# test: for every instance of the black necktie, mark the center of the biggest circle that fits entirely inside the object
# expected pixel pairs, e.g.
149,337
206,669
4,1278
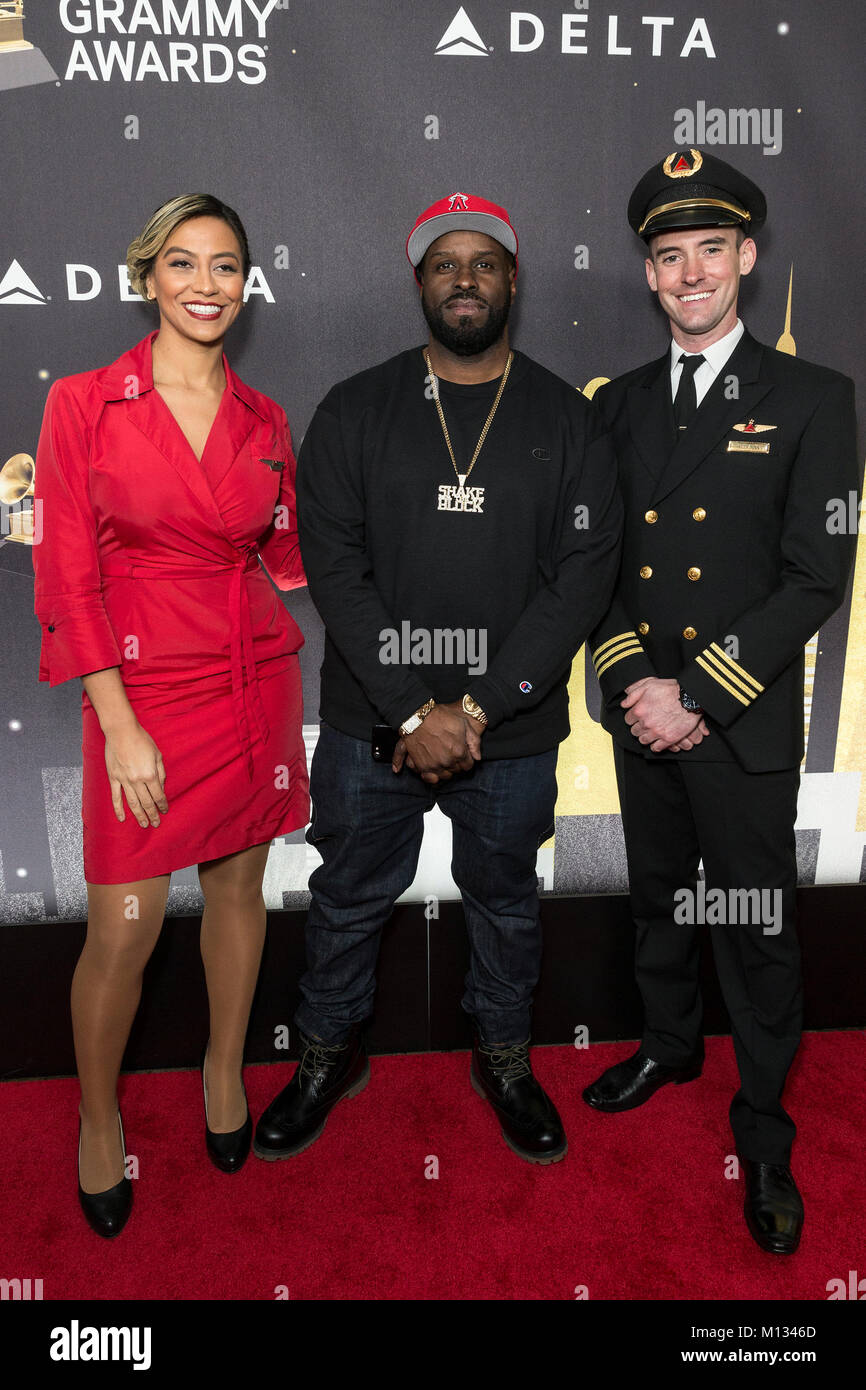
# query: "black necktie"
686,399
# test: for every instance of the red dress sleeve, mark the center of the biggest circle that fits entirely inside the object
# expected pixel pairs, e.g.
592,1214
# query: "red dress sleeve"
278,547
77,637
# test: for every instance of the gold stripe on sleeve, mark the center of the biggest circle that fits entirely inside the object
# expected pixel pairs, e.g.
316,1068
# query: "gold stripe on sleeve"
631,649
717,665
721,681
629,642
611,641
739,669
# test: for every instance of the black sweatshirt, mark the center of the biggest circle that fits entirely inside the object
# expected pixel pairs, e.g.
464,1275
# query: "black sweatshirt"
422,600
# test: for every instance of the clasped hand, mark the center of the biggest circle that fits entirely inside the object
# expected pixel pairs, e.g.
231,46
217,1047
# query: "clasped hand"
657,719
448,741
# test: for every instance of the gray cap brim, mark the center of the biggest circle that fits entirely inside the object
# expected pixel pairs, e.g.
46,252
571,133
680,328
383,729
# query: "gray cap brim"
424,236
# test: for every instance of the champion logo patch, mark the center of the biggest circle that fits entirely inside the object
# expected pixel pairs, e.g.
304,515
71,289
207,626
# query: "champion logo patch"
526,686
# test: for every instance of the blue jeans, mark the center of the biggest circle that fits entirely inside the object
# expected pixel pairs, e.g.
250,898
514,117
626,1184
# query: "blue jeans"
367,824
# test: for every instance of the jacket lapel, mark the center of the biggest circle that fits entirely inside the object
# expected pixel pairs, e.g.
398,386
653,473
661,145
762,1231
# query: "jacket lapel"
651,415
717,413
235,421
130,379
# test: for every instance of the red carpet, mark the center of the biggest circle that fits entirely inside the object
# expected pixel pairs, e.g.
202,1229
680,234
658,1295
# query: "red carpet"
639,1208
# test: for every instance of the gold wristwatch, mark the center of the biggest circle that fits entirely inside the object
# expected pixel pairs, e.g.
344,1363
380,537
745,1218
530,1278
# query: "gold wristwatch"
472,708
417,719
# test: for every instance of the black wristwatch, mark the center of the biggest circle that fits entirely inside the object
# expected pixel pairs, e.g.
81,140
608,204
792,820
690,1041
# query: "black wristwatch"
689,702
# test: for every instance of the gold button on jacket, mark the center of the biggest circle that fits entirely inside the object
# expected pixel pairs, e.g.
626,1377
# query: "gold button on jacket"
694,572
643,629
646,571
689,632
699,513
650,516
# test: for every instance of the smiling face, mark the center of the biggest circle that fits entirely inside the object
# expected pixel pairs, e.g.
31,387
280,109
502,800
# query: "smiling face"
467,285
197,280
696,273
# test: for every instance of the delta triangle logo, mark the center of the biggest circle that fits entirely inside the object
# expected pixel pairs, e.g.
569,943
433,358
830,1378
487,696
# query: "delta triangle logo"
16,287
461,39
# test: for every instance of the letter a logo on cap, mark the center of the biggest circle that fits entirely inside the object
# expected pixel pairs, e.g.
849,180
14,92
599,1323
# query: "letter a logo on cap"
458,198
461,39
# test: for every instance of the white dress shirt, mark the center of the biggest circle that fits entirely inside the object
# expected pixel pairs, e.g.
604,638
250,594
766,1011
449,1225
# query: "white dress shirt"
715,356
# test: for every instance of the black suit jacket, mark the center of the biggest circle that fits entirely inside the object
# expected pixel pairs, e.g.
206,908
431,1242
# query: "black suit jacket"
731,558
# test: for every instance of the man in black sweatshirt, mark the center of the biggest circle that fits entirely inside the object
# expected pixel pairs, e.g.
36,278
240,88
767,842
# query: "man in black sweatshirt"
460,529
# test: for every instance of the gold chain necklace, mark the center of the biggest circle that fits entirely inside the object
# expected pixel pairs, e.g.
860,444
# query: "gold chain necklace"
457,499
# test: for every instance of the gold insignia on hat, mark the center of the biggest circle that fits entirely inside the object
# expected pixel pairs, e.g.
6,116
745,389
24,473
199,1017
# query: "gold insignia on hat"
682,169
750,427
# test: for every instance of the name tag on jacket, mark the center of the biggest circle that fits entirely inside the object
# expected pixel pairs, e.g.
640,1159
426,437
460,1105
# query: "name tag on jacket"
747,446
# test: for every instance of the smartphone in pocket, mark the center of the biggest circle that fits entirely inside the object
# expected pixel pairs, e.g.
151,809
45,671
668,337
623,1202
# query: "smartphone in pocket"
384,740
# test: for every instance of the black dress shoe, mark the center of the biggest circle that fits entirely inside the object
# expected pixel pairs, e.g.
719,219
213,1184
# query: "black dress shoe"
773,1207
325,1074
227,1151
628,1084
107,1212
527,1116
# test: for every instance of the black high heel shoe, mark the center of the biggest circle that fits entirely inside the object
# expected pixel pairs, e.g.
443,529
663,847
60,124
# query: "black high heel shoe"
107,1212
228,1151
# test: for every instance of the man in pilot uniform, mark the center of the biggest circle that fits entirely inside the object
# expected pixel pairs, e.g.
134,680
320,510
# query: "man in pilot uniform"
729,454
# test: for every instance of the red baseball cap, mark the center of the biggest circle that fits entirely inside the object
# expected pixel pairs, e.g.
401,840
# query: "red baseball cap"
460,212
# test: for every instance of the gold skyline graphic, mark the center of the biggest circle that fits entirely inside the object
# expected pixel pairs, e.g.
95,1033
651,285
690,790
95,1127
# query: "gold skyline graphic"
786,343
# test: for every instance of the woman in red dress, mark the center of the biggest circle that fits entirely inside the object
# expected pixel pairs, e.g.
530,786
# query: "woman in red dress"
163,479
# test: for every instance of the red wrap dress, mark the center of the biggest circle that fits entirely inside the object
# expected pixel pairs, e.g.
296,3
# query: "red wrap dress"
149,560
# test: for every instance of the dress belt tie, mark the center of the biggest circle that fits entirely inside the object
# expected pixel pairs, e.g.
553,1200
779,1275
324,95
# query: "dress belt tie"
245,682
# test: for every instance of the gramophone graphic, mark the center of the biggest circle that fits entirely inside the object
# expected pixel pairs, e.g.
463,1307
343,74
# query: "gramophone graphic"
21,65
18,522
